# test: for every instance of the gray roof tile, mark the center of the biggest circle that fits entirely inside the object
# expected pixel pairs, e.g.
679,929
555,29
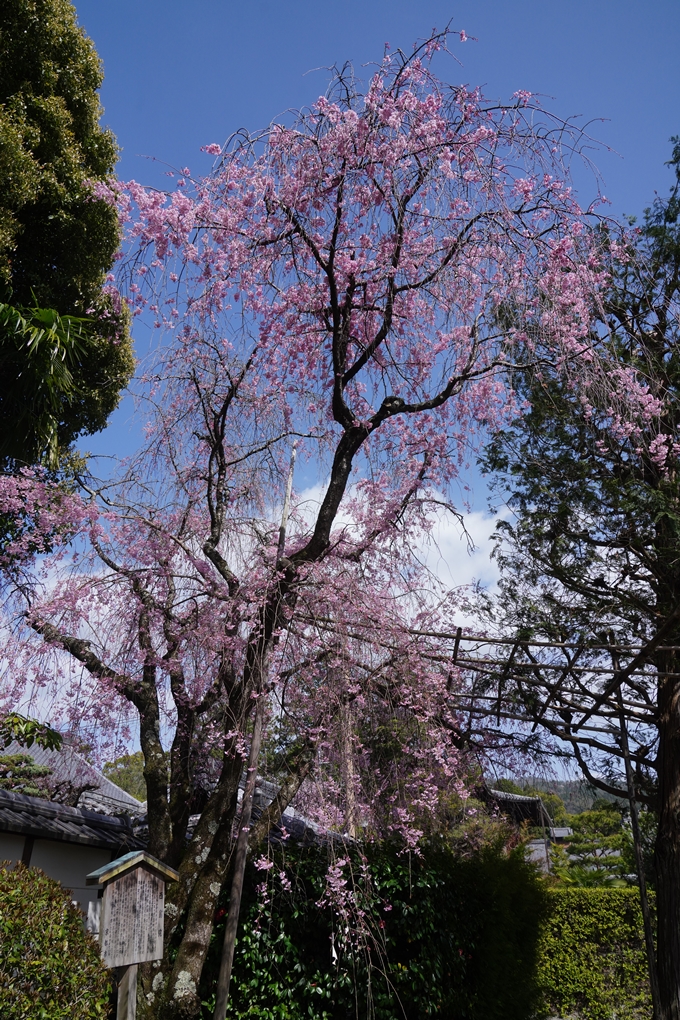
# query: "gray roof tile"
44,819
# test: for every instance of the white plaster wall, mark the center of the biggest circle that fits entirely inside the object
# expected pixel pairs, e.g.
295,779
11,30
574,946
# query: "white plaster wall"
11,846
69,864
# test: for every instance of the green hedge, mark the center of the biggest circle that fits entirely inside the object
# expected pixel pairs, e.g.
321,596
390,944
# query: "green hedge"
439,936
475,938
49,965
592,961
479,937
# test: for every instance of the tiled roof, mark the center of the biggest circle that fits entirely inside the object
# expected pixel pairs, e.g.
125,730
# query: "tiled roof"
125,831
519,806
513,798
69,767
45,819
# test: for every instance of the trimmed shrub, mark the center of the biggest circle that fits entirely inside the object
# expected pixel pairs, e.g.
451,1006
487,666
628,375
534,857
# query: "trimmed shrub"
20,774
435,936
50,967
461,938
592,962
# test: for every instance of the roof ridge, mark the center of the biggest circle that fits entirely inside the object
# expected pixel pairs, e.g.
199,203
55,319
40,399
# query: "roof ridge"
54,808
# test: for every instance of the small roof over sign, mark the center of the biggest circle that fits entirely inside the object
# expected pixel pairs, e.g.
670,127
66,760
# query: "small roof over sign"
126,863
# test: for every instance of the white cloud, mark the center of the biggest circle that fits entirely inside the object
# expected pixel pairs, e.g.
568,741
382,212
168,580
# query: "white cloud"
447,551
458,554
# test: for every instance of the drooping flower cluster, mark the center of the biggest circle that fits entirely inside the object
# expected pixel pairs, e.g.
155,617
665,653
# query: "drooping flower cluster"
37,515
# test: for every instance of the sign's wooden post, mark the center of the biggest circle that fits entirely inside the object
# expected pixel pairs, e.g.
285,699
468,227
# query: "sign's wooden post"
127,994
131,921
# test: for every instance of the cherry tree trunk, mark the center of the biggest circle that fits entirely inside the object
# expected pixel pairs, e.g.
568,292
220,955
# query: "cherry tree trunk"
668,850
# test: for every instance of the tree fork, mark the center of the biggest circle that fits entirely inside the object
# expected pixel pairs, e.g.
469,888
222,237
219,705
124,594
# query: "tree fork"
227,960
220,811
181,997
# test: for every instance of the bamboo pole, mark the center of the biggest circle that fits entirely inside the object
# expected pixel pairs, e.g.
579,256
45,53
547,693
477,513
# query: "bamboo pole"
227,961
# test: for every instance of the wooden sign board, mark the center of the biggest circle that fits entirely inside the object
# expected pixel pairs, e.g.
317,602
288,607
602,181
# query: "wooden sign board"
131,920
131,924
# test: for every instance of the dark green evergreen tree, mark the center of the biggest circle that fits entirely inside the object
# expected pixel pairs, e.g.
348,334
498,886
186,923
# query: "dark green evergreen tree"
65,351
593,548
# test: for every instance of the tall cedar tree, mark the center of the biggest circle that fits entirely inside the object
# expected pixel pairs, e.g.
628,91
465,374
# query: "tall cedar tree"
593,547
65,350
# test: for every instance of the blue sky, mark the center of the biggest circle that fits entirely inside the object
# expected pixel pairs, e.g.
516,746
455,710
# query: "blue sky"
180,75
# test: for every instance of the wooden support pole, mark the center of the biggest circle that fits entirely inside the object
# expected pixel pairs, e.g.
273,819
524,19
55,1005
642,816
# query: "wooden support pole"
227,960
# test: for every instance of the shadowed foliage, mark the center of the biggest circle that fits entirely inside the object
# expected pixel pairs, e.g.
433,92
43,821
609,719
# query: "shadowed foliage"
49,966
